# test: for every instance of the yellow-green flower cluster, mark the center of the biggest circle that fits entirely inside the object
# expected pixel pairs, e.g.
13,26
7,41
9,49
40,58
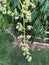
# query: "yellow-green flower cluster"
28,37
3,6
12,13
29,27
25,49
27,2
20,37
28,16
19,27
25,10
33,5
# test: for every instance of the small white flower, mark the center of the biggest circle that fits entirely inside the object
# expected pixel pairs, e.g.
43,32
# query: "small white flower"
24,54
4,12
20,37
29,27
9,12
27,2
33,5
29,59
28,36
16,17
27,56
17,27
12,14
28,15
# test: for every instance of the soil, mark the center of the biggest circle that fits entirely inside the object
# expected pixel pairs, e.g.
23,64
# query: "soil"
17,42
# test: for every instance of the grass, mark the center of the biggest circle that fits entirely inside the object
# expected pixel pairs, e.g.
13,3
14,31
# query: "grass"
40,57
13,56
5,47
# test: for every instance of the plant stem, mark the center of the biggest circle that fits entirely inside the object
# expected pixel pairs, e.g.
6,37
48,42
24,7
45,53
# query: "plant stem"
24,29
20,2
23,24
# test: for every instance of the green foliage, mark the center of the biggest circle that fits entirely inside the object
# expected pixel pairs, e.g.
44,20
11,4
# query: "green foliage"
3,23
